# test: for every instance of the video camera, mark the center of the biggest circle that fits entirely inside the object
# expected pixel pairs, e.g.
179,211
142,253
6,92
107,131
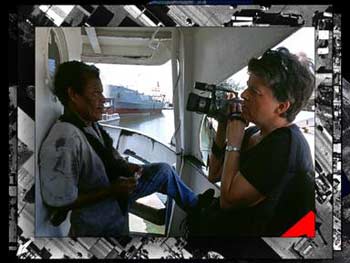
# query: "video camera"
215,106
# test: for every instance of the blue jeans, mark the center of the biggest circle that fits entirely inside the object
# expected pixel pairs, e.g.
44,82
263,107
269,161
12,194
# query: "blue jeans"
161,177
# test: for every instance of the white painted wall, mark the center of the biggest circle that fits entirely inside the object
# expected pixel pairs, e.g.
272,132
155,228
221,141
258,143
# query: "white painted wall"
228,50
47,110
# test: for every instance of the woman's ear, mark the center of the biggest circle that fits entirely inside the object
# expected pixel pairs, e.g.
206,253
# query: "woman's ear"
283,107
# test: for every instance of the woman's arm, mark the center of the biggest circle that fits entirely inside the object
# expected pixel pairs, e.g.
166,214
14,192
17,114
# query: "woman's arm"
236,191
216,162
230,167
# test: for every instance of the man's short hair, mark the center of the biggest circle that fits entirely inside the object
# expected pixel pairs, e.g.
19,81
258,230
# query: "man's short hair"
290,78
72,74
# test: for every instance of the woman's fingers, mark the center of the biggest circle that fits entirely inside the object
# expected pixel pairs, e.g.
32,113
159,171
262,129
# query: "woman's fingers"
238,107
235,107
231,95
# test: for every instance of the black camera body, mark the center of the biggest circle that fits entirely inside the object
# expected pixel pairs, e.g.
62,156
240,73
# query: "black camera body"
215,106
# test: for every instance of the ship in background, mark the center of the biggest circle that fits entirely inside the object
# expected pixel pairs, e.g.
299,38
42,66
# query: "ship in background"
125,101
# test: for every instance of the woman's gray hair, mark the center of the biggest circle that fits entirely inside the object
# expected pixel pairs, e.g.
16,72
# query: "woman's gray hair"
290,77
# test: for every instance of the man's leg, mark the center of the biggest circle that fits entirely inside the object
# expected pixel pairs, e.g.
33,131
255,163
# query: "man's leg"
161,177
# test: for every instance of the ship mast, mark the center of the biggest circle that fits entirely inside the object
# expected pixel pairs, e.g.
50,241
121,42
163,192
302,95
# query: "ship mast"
156,93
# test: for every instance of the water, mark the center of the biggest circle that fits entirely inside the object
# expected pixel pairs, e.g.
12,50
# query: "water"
159,126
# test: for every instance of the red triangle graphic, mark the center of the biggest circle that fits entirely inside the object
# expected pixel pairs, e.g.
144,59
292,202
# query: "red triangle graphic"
304,227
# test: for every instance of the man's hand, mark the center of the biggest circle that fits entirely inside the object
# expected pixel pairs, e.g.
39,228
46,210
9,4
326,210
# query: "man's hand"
123,187
135,168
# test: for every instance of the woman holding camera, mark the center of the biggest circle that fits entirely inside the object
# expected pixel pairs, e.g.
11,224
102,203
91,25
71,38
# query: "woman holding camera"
257,165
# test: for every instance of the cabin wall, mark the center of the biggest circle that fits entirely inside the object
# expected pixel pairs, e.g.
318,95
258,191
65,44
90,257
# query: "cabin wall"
225,49
74,42
186,64
48,109
189,122
176,68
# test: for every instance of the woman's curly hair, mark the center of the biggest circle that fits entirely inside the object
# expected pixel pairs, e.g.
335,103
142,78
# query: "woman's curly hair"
290,77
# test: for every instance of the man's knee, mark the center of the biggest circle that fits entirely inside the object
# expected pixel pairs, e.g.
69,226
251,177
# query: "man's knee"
165,166
158,169
165,170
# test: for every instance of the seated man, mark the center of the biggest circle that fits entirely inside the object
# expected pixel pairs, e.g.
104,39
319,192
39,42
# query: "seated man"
81,171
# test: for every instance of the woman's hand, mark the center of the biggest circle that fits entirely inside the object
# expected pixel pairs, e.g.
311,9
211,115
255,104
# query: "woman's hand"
235,125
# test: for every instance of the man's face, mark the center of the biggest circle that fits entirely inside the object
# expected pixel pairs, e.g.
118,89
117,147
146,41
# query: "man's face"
89,104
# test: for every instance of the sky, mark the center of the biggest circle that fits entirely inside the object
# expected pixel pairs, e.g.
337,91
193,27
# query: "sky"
301,41
145,78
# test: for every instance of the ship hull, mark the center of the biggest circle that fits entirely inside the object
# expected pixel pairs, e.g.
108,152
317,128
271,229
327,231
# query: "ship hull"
125,101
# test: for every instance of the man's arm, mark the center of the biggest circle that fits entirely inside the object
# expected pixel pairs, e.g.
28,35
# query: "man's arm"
60,162
120,189
59,213
133,167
